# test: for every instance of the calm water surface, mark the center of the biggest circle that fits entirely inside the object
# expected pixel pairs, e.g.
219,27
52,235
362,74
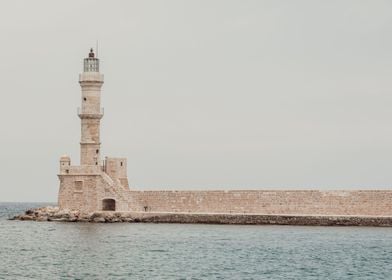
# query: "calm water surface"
33,250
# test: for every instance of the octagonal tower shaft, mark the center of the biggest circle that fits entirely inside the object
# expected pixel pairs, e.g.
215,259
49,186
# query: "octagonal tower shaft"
90,111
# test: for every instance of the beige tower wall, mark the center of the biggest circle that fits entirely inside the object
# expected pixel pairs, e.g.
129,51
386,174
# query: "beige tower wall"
90,146
89,154
90,130
90,114
78,192
116,167
91,95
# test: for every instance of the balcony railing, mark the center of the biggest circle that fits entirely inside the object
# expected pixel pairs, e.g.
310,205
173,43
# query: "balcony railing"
86,111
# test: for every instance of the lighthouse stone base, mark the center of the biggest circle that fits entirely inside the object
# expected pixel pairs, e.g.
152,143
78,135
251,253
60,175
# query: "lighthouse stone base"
90,188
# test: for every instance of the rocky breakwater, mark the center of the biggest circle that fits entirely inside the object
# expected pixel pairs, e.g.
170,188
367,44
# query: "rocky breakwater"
55,214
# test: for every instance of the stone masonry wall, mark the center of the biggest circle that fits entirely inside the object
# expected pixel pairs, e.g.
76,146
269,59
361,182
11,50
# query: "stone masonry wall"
85,193
298,202
79,192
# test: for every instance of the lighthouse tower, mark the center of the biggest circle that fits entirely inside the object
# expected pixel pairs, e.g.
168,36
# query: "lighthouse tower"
90,111
94,185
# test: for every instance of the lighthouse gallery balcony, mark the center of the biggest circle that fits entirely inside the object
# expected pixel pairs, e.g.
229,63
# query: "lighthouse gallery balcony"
89,113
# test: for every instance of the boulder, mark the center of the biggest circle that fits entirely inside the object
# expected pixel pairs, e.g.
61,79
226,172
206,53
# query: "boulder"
26,218
98,220
42,219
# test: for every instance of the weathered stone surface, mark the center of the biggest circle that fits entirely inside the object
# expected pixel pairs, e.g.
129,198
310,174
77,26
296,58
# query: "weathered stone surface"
50,214
274,202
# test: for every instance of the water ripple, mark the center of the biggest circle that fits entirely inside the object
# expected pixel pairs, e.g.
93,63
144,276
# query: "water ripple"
30,250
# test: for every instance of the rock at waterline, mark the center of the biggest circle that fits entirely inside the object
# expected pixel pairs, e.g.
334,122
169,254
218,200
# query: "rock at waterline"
55,214
50,214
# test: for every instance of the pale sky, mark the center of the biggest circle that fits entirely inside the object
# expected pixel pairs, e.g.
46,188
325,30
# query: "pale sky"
201,94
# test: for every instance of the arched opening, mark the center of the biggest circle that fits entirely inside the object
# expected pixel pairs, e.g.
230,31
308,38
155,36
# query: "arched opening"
108,205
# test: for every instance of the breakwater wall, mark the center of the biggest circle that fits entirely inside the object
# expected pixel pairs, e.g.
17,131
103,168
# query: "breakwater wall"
266,202
54,214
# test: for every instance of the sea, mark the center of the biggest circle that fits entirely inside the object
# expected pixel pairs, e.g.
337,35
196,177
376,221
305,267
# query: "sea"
55,250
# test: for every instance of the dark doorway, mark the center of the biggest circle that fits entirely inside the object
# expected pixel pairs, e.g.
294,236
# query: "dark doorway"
108,205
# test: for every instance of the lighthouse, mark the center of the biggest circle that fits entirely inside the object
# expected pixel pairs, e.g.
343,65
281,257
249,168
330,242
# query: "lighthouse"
95,184
90,112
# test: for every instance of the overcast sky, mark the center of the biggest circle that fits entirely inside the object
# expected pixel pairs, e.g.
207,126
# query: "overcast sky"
201,94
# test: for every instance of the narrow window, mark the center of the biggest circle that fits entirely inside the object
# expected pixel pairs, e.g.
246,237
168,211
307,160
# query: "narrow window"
85,99
67,171
96,163
97,151
121,163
